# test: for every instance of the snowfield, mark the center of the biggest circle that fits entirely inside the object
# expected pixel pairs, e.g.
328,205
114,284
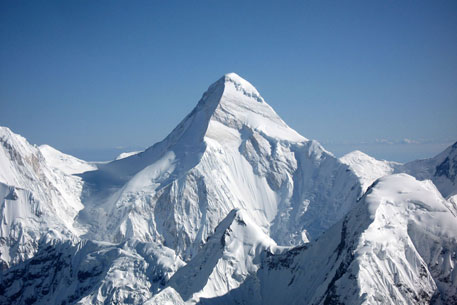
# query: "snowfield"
232,207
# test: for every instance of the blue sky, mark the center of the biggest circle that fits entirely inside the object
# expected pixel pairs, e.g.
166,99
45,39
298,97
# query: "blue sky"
94,78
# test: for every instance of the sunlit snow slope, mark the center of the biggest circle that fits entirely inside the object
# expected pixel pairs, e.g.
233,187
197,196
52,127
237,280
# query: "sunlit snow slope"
441,169
367,168
397,246
231,151
38,200
232,207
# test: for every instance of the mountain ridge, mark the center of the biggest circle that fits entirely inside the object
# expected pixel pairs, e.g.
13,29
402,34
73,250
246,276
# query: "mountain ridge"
232,206
264,167
390,249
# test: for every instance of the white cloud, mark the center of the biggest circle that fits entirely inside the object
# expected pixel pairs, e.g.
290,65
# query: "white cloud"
409,141
384,141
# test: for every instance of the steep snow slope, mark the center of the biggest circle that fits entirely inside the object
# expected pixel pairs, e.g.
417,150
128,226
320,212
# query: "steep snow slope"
37,200
231,254
231,151
87,272
43,259
63,162
441,169
397,246
230,183
367,168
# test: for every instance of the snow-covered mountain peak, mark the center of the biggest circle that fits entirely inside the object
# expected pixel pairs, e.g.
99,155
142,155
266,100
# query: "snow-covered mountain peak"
441,169
14,143
232,253
243,86
68,164
447,166
37,199
231,151
229,108
357,154
17,157
230,111
367,168
406,192
4,131
240,106
397,246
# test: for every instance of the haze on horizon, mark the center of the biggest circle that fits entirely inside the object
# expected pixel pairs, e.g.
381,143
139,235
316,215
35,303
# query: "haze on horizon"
95,79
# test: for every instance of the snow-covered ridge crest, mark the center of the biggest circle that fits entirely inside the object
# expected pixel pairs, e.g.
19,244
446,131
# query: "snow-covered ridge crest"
397,246
233,253
229,107
367,168
243,86
222,191
441,169
242,106
63,162
231,151
39,198
235,103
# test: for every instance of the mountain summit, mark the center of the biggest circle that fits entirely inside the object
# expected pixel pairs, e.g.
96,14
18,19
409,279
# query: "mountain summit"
234,102
231,151
231,106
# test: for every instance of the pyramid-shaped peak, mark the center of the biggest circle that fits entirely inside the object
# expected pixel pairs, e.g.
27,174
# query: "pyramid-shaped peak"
236,103
240,83
233,84
230,109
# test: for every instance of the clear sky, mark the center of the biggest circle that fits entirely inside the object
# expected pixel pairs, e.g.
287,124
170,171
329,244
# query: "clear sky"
94,78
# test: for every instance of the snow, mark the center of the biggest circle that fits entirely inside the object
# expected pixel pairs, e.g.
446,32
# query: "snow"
127,154
84,272
418,230
367,168
232,253
168,296
63,162
441,169
46,199
241,104
397,246
231,151
233,206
